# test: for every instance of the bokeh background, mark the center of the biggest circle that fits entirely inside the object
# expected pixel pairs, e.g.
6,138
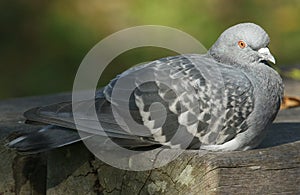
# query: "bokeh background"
43,42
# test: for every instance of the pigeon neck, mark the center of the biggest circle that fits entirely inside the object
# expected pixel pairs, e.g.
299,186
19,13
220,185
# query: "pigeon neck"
227,58
221,58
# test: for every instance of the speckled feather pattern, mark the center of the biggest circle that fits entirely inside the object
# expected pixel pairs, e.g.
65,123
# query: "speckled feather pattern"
180,72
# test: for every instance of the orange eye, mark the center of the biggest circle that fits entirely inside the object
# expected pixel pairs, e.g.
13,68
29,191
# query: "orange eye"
242,44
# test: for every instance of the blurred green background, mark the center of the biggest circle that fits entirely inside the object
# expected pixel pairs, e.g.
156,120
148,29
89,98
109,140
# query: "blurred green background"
43,42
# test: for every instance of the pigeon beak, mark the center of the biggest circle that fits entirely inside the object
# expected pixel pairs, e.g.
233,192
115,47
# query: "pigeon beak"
266,55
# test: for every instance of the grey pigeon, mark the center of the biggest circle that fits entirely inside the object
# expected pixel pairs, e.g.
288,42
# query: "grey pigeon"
220,101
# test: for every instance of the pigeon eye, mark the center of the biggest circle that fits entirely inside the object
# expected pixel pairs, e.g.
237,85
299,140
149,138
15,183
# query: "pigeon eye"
242,44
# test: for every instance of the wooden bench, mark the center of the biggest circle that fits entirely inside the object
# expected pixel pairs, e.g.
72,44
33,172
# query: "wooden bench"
274,168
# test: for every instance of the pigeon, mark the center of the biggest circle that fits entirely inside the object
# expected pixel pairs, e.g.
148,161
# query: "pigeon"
223,100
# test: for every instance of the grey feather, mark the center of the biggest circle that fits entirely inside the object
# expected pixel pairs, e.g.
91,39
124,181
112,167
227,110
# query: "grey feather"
222,100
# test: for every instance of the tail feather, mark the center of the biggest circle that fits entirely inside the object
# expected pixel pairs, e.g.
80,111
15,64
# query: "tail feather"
44,139
53,136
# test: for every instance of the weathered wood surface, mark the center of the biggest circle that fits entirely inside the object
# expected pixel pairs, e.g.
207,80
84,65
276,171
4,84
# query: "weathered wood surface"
272,169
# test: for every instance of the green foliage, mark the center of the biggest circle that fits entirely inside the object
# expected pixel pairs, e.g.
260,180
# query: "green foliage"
43,42
293,74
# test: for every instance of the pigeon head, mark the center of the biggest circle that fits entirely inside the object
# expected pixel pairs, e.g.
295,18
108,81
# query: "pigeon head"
242,44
